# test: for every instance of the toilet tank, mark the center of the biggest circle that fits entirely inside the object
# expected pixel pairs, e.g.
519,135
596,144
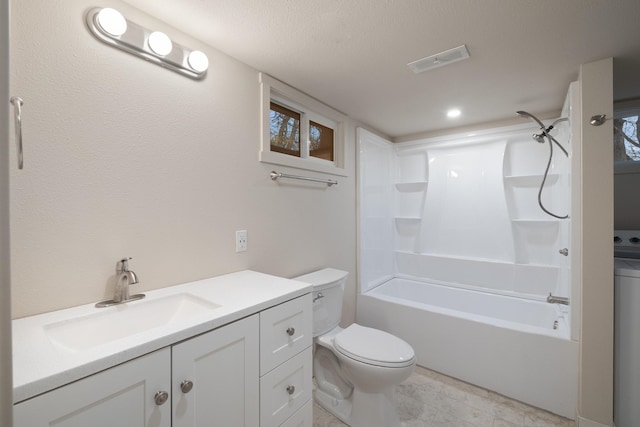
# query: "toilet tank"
328,288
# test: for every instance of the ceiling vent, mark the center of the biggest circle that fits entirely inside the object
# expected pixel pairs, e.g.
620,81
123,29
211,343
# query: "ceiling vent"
439,59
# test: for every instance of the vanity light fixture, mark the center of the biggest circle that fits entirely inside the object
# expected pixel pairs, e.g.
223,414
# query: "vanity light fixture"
109,26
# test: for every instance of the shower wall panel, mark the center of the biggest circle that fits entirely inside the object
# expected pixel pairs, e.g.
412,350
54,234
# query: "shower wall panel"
465,214
376,235
463,211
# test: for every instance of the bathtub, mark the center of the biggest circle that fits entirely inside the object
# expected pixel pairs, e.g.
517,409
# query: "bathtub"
516,347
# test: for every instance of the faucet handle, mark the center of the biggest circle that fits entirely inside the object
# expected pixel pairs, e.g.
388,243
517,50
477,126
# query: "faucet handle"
123,265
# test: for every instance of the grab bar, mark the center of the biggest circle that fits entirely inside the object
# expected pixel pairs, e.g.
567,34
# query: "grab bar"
275,175
17,103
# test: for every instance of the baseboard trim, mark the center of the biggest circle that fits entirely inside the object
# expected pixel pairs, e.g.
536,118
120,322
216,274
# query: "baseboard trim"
583,422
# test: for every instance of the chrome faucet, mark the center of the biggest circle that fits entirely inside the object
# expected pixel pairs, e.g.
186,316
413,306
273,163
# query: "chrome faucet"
552,299
124,279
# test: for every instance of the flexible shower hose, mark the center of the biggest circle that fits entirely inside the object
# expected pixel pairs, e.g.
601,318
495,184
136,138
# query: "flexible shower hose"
551,140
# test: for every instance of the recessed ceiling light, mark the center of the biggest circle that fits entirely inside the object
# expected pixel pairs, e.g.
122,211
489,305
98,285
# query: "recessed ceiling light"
453,113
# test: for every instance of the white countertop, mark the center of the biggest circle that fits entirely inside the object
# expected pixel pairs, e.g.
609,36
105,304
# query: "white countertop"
39,364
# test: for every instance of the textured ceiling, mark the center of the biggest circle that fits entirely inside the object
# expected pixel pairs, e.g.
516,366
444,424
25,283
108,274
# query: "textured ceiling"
352,54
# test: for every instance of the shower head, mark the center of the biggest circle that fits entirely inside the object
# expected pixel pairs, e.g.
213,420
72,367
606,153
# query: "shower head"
539,137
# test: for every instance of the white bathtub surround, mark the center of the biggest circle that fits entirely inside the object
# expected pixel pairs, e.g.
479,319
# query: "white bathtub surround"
461,262
429,398
464,210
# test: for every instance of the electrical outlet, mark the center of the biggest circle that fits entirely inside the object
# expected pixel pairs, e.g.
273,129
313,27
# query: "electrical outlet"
241,240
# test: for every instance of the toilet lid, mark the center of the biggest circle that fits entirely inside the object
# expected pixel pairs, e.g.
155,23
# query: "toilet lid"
374,347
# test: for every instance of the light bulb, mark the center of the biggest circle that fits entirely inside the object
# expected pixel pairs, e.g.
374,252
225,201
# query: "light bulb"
160,43
198,61
112,21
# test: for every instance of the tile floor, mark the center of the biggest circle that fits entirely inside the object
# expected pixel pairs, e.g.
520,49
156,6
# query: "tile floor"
431,399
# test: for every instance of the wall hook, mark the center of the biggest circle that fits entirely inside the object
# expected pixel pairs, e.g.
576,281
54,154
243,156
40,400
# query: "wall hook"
598,119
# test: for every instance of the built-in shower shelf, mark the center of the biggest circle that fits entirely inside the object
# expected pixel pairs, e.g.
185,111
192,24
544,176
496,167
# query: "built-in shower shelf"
535,221
531,180
408,218
538,265
411,186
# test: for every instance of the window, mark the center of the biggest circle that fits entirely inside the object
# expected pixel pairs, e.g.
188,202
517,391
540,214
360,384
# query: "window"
320,141
299,131
626,147
625,139
284,129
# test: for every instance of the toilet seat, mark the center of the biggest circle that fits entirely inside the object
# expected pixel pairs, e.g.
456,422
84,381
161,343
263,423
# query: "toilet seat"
374,347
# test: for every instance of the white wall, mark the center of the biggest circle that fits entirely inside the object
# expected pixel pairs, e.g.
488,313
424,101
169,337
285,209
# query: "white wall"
6,389
595,402
125,158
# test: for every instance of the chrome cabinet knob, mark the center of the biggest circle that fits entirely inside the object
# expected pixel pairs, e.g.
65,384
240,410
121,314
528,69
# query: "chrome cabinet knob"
291,389
186,386
291,331
161,397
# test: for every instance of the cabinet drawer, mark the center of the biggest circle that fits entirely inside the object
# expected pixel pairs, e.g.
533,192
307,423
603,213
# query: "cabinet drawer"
285,330
302,418
284,390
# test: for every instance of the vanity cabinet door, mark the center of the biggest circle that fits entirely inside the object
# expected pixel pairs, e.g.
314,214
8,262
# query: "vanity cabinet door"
122,396
216,377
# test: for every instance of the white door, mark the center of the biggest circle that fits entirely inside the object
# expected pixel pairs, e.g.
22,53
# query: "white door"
215,377
122,396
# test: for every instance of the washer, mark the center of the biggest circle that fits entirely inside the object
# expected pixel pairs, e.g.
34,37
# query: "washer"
627,334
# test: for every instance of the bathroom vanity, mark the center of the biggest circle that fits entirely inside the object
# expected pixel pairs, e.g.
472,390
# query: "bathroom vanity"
234,350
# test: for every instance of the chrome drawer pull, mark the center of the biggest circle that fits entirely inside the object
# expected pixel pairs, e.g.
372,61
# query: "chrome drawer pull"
186,386
291,331
291,389
161,397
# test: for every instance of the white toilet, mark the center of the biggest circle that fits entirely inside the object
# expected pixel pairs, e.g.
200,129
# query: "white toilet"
355,368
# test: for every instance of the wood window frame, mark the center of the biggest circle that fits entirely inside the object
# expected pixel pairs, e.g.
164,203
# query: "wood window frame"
311,110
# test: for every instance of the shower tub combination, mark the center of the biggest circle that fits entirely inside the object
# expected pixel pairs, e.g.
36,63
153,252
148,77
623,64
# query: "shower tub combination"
459,250
501,343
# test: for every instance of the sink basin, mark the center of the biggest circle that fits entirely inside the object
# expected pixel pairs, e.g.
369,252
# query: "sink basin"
124,320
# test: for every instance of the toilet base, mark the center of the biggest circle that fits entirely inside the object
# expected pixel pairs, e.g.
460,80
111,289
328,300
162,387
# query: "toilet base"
361,409
340,408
